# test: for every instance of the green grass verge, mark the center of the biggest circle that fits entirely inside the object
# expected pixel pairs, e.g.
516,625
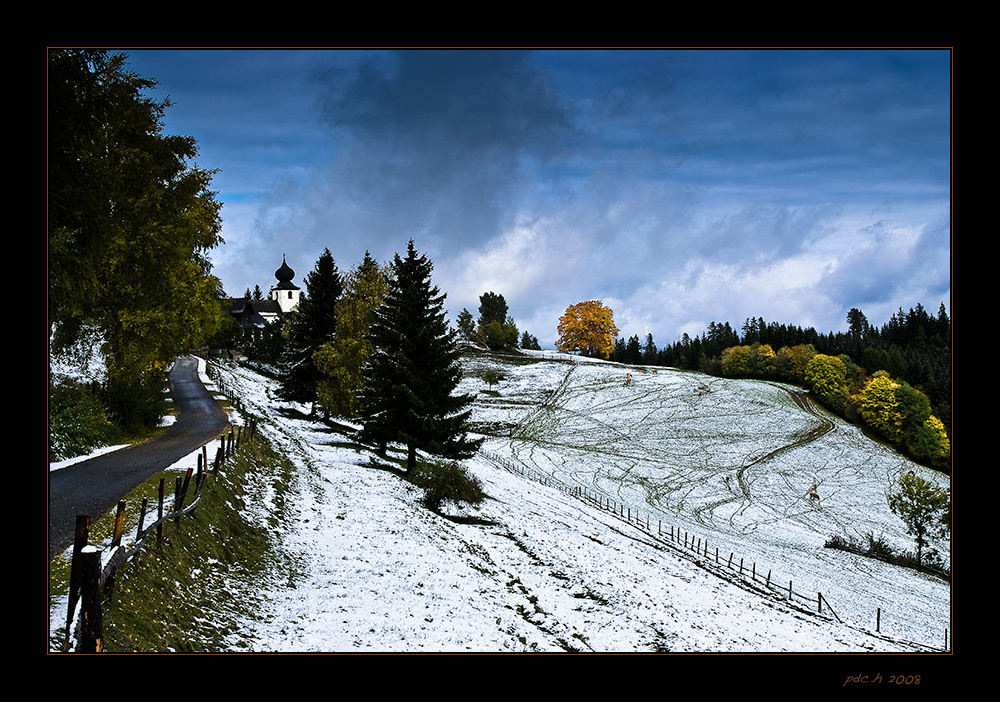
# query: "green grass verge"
190,591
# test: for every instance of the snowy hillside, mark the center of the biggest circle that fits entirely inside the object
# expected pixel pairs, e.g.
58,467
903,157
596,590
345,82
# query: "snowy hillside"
731,462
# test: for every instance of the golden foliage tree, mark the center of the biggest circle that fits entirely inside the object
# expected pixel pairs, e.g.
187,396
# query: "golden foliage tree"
878,406
588,328
342,360
827,377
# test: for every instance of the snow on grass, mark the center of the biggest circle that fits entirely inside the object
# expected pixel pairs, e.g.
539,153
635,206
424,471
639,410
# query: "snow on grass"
542,570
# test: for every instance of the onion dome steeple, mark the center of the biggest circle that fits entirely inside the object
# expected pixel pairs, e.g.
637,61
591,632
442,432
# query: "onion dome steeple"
285,293
284,276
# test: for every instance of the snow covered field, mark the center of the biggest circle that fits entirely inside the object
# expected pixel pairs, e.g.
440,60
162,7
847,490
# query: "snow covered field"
731,462
551,572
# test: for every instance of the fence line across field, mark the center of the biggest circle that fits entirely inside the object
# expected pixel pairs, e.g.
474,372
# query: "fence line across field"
686,544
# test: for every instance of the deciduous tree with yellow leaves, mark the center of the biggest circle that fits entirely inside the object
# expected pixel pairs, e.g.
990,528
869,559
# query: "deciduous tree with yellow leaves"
587,328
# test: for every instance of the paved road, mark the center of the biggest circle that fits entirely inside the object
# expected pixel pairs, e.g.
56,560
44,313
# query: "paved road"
94,487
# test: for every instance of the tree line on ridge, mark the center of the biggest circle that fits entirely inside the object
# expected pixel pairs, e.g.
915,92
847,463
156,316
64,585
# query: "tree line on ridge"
894,379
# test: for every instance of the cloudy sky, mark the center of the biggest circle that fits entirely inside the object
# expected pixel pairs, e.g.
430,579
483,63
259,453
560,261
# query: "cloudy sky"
678,187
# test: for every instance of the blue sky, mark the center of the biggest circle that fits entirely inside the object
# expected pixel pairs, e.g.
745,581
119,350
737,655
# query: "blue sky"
678,187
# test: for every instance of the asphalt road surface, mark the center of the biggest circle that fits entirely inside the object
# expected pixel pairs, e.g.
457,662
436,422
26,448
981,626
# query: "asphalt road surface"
93,487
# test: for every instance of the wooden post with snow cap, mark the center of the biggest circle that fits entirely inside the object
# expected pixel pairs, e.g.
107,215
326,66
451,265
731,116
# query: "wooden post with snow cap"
80,539
91,626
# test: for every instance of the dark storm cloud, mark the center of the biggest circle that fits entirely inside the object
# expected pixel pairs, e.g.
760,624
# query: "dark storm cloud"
442,140
680,187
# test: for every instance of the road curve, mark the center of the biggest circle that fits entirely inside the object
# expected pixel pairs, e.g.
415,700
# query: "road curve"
93,487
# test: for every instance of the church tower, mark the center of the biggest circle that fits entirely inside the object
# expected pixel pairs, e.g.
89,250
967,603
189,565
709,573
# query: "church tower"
285,293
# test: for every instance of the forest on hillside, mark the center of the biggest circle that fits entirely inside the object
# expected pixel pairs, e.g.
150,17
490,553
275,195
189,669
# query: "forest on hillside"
895,378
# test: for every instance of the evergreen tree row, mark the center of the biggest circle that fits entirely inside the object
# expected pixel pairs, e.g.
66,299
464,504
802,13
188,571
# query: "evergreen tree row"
913,346
495,328
374,345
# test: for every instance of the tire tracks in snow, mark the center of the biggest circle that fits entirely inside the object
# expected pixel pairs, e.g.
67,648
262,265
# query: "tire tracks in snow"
824,427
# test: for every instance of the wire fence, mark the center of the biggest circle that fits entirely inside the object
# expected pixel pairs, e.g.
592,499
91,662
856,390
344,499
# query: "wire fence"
712,557
696,548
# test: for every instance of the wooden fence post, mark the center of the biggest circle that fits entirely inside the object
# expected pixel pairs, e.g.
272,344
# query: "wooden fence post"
142,518
91,633
159,513
116,540
80,539
116,537
177,500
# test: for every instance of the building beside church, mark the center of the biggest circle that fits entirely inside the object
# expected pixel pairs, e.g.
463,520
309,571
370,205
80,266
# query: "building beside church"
254,315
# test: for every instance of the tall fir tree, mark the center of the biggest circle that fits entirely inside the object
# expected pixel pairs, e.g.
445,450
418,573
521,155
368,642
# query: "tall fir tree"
410,380
313,324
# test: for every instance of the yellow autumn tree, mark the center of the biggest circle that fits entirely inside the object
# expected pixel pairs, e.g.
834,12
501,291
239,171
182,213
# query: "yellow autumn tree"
587,328
737,361
827,377
878,406
341,360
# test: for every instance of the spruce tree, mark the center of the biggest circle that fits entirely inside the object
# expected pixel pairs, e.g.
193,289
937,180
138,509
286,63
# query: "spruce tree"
314,323
496,328
408,395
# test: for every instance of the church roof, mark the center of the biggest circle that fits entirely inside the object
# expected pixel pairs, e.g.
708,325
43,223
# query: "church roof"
284,276
250,313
